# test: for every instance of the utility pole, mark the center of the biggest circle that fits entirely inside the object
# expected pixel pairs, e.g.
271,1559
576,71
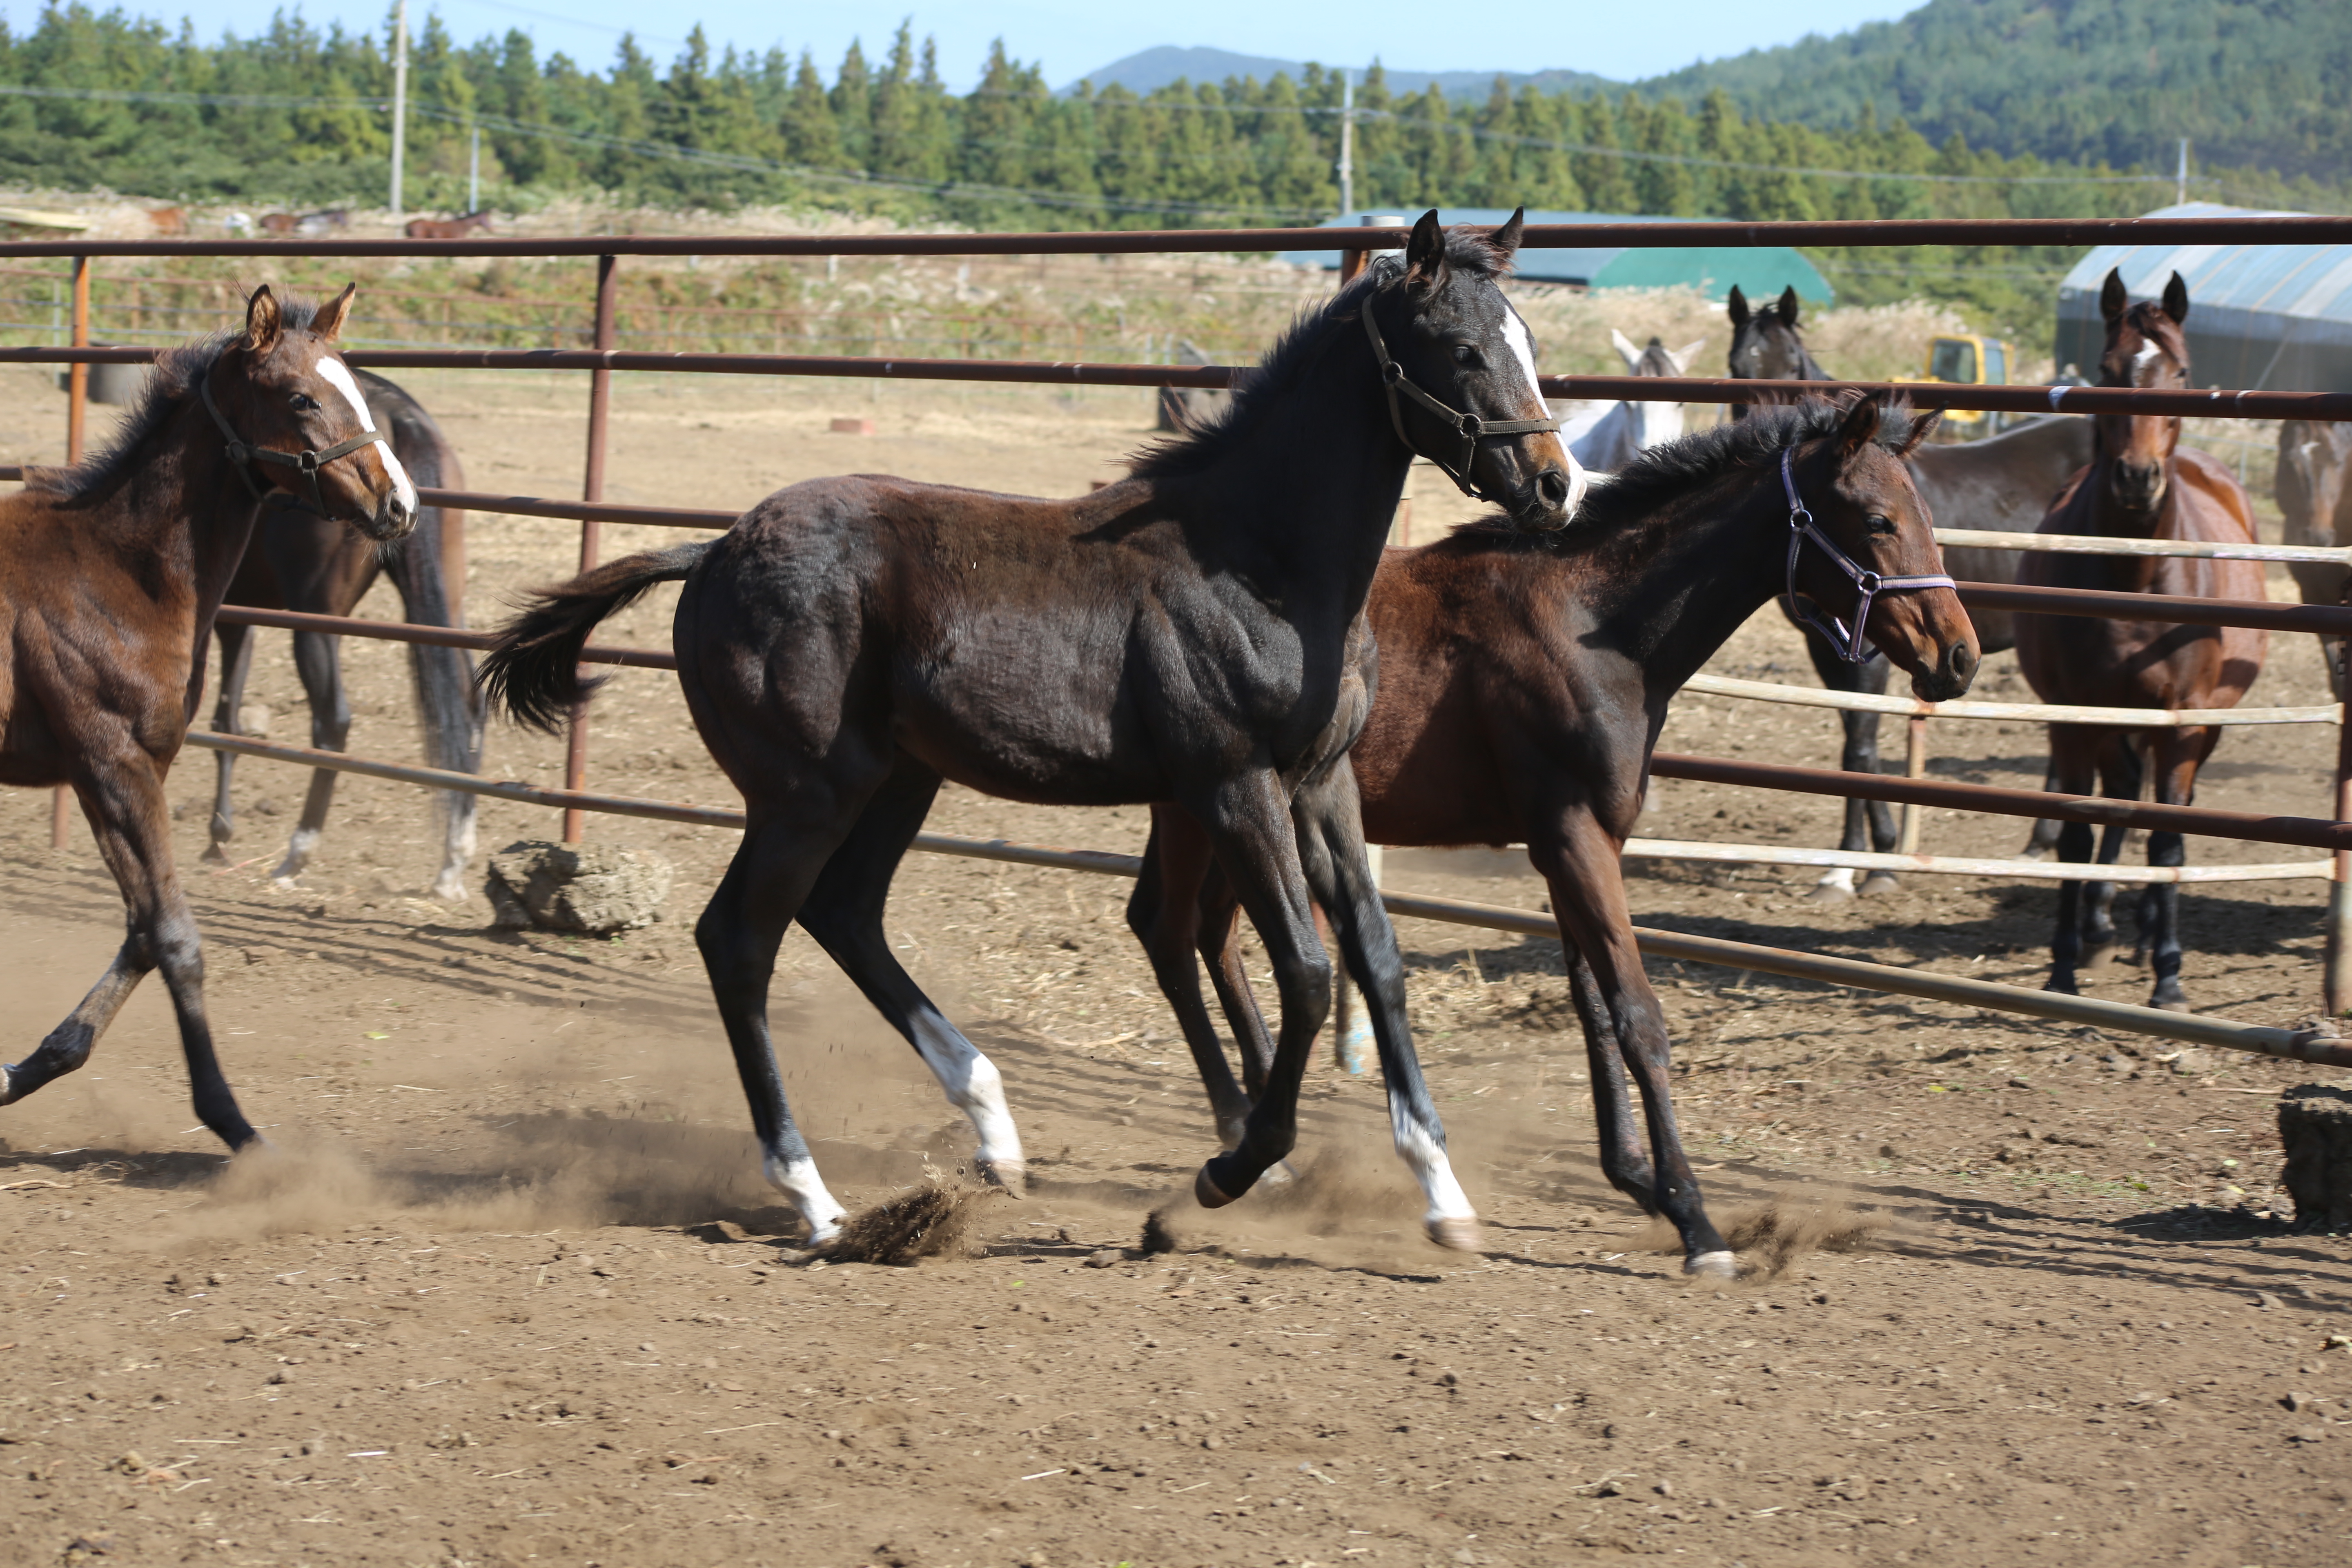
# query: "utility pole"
1347,142
399,96
474,174
2180,191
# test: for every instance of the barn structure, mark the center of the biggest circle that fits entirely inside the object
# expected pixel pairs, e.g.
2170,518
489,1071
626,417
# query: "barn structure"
1760,271
2261,318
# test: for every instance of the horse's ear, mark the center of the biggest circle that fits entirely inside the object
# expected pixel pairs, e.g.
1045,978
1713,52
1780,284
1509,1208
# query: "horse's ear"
1687,355
2113,297
1738,305
1506,238
261,321
2176,300
1923,422
1789,306
1859,428
328,324
1627,352
1424,253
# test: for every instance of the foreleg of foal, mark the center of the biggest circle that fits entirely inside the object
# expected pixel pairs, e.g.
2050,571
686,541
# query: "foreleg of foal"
317,659
2119,779
2177,754
1164,914
122,795
2072,754
1338,874
1869,824
1249,825
1624,1153
843,913
1587,892
236,663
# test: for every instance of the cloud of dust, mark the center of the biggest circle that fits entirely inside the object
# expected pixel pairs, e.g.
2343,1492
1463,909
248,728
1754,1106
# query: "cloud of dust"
1770,1237
1349,1204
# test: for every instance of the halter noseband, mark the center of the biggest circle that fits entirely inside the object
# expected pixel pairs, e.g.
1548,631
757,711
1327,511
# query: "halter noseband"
241,454
1848,642
1469,426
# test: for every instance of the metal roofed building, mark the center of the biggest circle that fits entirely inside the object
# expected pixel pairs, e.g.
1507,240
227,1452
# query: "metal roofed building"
1760,271
2266,318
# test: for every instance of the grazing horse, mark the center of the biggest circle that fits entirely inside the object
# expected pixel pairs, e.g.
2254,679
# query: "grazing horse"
2314,460
109,575
301,560
2142,484
448,228
1183,635
2002,483
1623,431
1521,689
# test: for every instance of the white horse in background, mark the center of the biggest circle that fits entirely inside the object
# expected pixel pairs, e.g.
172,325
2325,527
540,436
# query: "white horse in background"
1605,437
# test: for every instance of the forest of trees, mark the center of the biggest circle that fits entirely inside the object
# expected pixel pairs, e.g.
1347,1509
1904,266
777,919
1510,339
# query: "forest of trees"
298,115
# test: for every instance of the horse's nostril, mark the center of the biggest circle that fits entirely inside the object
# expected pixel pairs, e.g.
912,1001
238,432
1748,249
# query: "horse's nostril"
1962,659
1553,486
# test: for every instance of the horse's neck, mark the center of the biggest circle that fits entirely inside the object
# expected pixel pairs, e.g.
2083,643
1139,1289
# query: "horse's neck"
179,502
1698,569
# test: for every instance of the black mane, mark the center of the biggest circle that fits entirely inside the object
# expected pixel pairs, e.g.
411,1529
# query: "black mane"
1287,362
167,387
1675,469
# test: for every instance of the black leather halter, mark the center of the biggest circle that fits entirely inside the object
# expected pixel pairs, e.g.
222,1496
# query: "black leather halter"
1469,426
1848,641
242,454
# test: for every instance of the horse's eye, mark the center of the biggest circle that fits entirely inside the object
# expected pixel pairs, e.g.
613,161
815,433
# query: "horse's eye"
1879,524
1465,353
304,403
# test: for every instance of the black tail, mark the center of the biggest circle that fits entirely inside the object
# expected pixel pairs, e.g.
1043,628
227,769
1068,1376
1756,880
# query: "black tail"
534,671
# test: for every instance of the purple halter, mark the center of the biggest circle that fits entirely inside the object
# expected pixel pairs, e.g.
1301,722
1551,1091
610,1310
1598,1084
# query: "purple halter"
1848,642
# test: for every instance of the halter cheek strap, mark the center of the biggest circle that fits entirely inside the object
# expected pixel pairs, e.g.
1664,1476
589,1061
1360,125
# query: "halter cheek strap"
242,454
1849,641
1469,426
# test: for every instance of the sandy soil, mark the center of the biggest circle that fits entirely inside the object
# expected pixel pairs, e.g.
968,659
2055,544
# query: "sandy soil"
505,1288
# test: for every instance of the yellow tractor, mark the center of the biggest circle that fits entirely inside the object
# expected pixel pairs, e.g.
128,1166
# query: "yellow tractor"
1964,359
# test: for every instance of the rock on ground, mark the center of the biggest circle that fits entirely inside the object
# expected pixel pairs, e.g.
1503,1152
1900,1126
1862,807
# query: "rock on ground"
576,887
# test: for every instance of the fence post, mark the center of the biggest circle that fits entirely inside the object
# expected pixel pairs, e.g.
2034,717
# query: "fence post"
591,488
2338,978
77,417
1914,766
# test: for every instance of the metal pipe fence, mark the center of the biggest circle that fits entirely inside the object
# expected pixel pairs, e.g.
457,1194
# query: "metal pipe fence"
1355,243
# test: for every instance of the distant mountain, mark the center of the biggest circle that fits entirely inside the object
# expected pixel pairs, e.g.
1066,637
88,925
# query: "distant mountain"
1155,68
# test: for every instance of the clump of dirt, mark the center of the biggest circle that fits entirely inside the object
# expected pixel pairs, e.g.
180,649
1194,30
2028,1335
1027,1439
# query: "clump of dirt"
1157,1237
934,1221
1770,1237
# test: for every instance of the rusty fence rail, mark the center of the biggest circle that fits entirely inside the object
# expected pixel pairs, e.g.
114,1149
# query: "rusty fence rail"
602,359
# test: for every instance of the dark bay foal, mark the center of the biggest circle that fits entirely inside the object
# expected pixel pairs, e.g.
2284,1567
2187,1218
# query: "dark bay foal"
109,575
2142,484
1184,634
1521,686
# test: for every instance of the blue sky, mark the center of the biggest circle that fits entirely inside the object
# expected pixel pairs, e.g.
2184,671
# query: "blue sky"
1072,36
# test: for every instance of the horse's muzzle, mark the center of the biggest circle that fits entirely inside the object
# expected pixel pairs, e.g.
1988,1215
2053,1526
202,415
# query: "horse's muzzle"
1547,502
394,517
2138,486
1955,672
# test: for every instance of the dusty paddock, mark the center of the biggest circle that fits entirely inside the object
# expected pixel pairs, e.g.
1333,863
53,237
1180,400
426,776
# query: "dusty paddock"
2019,1303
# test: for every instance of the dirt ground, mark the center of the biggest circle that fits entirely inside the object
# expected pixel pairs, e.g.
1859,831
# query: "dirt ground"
2016,1294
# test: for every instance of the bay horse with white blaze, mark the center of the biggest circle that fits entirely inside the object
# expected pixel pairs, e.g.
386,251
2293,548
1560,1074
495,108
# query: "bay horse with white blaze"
1183,635
301,560
2142,484
1522,683
109,575
2003,484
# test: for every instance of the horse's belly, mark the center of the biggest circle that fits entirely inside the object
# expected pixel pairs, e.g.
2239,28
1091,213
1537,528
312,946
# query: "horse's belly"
1051,735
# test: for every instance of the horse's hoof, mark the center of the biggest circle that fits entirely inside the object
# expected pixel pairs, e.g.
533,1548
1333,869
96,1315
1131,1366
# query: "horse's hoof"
2100,959
1831,893
1456,1233
2062,987
1878,882
1278,1174
1013,1176
2175,1003
1712,1266
1207,1193
449,890
8,1088
213,854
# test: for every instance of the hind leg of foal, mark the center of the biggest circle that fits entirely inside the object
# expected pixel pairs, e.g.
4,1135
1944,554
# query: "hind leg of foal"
123,798
1164,914
1624,1155
1248,821
1580,863
236,663
1869,824
2119,778
1340,874
1220,917
844,912
2072,758
780,856
317,659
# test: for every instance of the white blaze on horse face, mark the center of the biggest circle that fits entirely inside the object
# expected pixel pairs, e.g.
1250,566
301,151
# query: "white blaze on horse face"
2145,360
338,374
1523,348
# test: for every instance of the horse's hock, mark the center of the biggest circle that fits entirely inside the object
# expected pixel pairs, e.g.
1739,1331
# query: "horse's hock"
576,887
2315,1129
